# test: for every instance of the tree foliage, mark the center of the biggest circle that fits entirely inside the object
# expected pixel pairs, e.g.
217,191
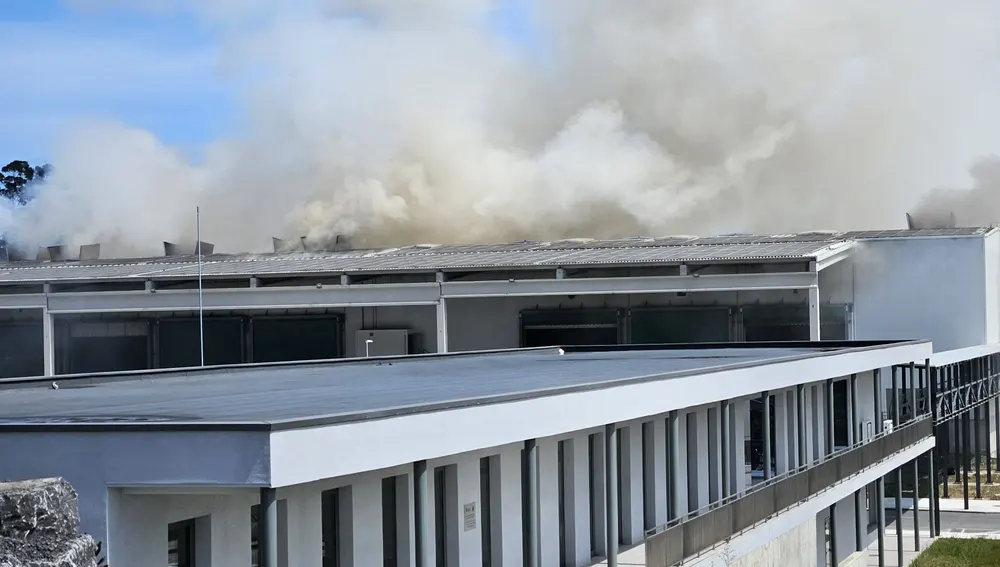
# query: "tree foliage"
16,176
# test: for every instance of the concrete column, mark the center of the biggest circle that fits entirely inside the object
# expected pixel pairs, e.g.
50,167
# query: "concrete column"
267,540
703,447
766,428
895,397
442,325
610,494
422,519
48,341
741,423
677,497
531,486
304,525
548,503
578,525
511,490
781,452
814,321
659,449
631,483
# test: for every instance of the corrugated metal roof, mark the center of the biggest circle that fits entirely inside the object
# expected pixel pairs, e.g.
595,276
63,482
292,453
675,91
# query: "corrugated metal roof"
351,390
639,251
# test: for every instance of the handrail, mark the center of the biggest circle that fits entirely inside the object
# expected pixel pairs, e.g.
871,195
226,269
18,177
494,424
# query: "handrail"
775,479
694,533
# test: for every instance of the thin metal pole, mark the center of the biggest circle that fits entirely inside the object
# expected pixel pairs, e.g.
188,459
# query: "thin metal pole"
611,492
879,391
852,436
880,514
800,418
976,438
766,429
934,516
833,535
899,515
965,459
201,298
895,396
859,528
268,526
830,439
724,462
916,504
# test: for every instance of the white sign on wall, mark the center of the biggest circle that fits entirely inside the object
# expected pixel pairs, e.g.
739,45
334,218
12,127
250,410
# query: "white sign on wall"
470,516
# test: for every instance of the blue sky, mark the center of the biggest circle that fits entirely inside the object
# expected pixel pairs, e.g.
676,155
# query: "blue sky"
156,71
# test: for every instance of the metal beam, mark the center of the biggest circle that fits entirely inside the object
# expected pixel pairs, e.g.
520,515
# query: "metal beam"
766,429
651,284
833,255
247,298
22,301
301,297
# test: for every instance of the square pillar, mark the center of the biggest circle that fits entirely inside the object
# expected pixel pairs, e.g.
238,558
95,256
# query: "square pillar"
814,322
659,454
442,325
781,433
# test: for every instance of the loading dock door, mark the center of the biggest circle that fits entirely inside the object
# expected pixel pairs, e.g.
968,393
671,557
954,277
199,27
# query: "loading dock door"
179,344
672,325
281,339
21,349
552,327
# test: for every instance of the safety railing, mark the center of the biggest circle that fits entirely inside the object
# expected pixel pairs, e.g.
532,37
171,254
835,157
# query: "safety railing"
698,531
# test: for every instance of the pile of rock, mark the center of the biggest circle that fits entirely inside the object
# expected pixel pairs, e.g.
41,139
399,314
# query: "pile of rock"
39,520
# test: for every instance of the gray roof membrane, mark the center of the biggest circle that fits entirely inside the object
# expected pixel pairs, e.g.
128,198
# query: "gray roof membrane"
350,390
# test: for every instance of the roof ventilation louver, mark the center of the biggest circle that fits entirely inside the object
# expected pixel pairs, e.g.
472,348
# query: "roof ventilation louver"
4,254
278,244
207,248
58,253
90,252
42,255
170,249
931,219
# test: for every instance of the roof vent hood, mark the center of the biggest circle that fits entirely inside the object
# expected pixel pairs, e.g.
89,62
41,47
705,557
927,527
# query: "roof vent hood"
930,219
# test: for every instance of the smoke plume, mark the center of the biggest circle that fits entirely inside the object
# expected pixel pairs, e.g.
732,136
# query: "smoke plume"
412,122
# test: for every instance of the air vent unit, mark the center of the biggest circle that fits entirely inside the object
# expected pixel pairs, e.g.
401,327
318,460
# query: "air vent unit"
90,252
931,219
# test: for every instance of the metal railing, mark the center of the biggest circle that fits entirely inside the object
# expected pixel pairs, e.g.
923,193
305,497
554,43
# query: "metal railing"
698,531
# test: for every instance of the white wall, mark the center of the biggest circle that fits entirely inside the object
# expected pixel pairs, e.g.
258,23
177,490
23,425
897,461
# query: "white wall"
419,319
942,289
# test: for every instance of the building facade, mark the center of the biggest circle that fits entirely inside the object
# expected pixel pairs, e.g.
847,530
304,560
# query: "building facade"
459,492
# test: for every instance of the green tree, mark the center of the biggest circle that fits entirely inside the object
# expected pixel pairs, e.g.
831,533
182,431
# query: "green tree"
16,176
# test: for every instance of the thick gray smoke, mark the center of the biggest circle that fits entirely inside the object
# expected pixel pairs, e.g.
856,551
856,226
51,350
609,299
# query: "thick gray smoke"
415,123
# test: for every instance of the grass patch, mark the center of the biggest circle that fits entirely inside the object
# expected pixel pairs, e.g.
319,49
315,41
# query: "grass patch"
954,552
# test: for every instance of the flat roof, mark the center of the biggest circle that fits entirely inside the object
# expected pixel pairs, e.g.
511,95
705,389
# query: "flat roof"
582,252
288,396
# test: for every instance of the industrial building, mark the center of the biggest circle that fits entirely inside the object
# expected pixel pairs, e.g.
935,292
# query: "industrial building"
837,358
